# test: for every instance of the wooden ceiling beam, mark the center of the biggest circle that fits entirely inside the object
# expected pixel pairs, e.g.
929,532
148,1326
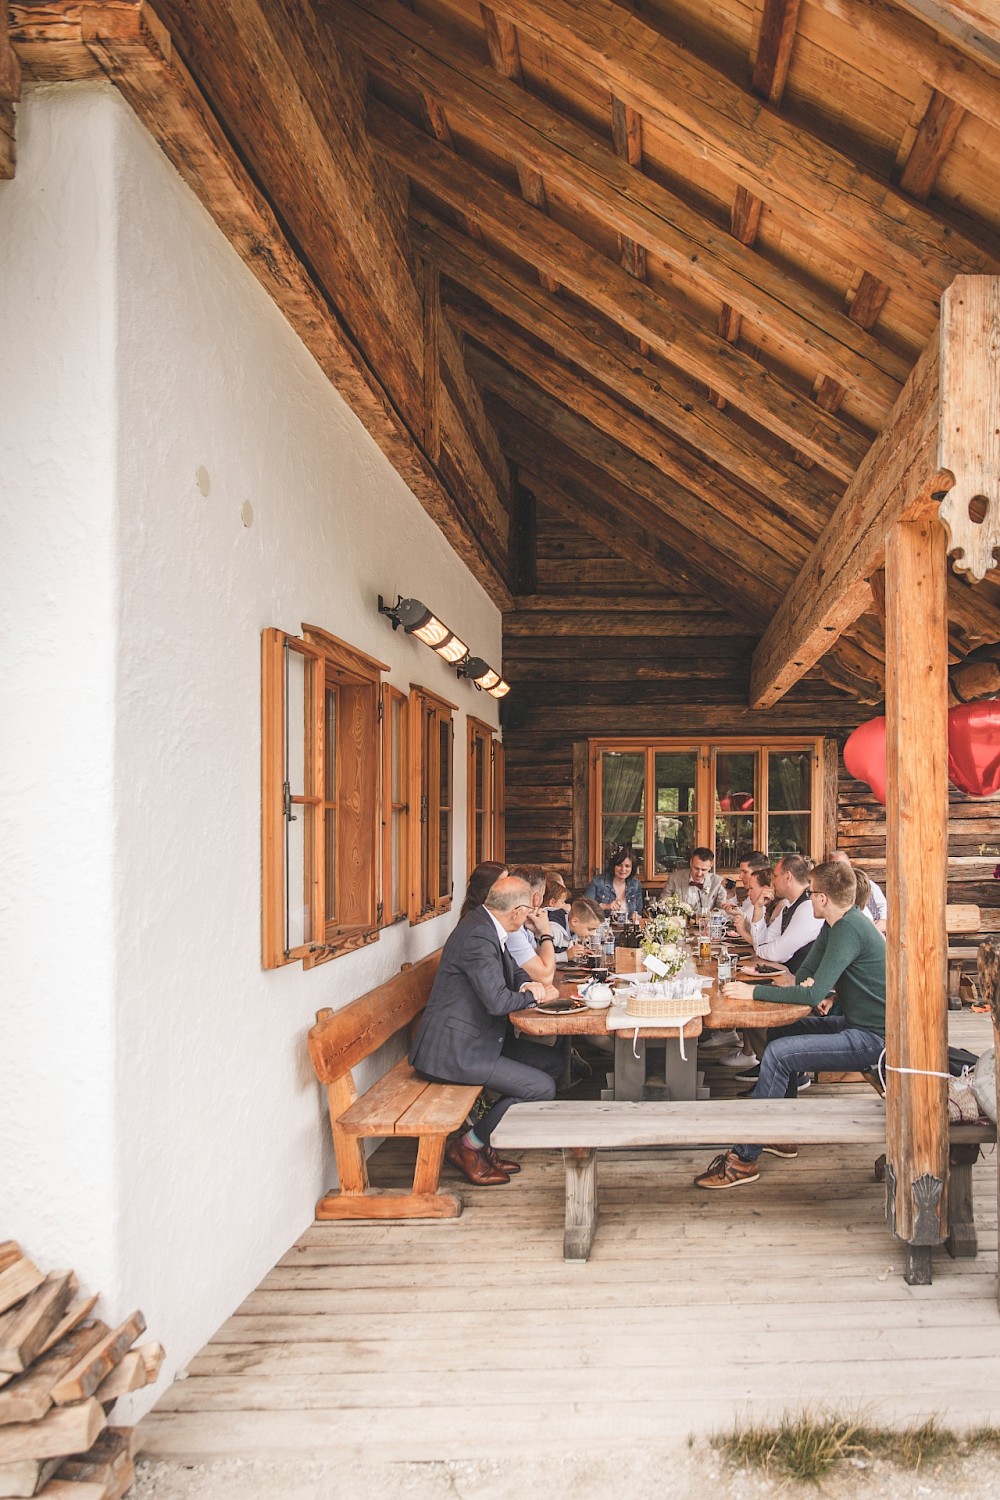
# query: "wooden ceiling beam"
130,45
505,55
402,48
772,54
743,523
586,272
554,617
934,139
939,450
972,84
878,228
578,337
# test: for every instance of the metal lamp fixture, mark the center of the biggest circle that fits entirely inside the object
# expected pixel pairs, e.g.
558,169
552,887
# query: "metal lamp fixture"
416,619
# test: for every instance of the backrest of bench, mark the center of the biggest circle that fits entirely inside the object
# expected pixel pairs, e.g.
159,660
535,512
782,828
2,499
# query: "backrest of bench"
342,1038
962,918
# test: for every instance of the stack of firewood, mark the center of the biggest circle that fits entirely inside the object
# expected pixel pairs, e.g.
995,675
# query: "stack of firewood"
61,1372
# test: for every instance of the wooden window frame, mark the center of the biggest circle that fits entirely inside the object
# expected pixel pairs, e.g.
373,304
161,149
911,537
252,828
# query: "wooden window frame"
390,696
499,758
330,663
478,733
705,749
427,898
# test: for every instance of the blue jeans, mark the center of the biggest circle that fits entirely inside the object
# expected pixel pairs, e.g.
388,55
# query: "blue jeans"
819,1044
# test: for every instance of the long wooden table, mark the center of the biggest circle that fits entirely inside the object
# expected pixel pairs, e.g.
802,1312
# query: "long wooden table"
681,1073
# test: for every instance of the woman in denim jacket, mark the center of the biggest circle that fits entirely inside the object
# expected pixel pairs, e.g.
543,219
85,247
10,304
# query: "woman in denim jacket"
616,888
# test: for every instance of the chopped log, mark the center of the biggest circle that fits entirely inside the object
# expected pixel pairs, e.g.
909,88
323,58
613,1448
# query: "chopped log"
72,1318
27,1476
10,1251
80,1489
84,1378
25,1330
28,1398
20,1278
139,1368
111,1453
65,1430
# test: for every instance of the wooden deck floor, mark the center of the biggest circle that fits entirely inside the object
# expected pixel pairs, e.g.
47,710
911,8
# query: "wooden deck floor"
440,1340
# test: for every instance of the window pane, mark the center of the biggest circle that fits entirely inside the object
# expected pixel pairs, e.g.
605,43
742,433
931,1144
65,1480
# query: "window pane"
623,798
735,780
295,750
622,829
480,838
675,838
444,730
735,838
330,857
444,855
397,794
297,884
479,792
330,746
789,780
789,833
398,895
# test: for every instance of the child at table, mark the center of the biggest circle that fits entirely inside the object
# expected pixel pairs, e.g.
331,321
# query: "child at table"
582,921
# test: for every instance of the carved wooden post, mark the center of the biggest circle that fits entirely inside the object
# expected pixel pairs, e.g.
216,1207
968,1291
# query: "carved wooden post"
916,703
10,92
966,424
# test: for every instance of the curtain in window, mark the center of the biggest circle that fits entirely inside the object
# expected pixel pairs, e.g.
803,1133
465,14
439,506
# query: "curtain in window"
623,783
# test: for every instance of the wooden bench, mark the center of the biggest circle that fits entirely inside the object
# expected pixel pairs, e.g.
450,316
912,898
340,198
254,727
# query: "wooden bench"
960,920
399,1104
582,1128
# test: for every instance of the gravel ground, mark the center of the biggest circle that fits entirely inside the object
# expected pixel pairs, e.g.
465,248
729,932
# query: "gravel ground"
653,1474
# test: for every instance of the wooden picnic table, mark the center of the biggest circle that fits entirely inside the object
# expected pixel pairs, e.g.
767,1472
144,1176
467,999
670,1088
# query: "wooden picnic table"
681,1073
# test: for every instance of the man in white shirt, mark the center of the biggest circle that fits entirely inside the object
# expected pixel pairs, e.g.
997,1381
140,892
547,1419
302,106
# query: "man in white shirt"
793,927
699,885
532,946
876,906
755,860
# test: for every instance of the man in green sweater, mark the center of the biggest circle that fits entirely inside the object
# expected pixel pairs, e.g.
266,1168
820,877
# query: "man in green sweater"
848,955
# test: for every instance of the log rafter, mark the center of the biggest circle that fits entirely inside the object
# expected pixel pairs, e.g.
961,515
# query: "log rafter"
878,228
667,328
404,49
10,92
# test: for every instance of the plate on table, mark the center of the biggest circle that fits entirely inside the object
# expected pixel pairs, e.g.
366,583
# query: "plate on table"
559,1007
761,971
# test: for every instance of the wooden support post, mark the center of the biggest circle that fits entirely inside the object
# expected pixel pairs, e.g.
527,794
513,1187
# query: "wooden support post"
916,869
581,1201
961,1242
10,92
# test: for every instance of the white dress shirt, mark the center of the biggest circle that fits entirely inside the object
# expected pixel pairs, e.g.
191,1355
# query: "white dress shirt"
777,947
877,906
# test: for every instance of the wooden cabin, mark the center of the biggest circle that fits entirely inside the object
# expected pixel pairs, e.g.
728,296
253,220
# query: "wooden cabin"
650,346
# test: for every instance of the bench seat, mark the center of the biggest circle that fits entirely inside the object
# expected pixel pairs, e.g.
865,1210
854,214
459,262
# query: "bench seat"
402,1103
582,1128
397,1104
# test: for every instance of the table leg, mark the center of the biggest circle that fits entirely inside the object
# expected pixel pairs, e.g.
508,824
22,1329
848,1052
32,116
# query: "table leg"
681,1073
581,1201
630,1071
961,1239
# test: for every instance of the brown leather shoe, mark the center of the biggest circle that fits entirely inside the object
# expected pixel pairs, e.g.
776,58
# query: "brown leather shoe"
474,1165
502,1165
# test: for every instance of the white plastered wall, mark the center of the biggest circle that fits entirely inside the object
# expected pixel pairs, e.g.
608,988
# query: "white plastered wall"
164,1133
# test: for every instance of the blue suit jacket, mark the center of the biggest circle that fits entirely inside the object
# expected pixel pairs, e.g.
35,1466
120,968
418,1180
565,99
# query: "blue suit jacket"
462,1030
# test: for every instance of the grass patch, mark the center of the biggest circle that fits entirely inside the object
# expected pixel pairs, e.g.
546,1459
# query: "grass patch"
808,1448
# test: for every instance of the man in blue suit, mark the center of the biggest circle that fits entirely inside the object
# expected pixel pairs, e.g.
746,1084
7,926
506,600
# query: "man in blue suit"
464,1035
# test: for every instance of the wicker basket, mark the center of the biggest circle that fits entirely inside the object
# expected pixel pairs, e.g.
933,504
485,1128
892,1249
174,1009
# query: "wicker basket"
654,1008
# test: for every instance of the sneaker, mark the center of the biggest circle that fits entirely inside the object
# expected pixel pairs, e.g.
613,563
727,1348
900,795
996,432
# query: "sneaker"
785,1152
728,1171
750,1074
718,1040
731,1059
803,1082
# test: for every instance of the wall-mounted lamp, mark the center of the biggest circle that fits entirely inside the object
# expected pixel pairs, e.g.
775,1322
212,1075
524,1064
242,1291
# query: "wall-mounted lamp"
416,619
483,676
